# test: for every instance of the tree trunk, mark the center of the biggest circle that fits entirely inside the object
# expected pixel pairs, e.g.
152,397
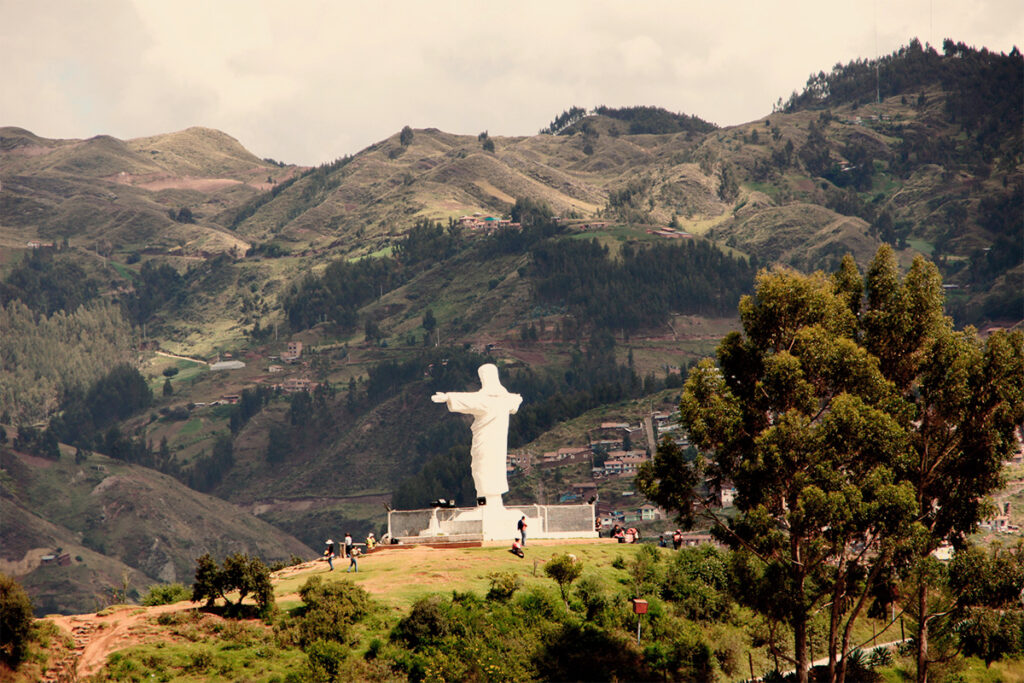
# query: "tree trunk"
922,633
852,617
833,636
835,617
800,615
800,647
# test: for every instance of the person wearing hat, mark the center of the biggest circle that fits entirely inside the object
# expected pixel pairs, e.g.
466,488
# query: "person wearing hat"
370,541
353,556
329,554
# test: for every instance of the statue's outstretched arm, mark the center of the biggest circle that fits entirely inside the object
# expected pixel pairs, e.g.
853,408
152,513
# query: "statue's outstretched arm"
439,397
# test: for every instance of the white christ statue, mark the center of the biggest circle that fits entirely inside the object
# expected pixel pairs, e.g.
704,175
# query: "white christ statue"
490,408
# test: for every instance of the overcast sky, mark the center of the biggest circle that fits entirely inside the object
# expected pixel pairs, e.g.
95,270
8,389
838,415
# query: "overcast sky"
307,82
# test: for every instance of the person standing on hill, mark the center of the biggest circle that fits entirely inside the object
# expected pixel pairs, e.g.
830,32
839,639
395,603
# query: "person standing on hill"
329,554
521,526
353,563
348,545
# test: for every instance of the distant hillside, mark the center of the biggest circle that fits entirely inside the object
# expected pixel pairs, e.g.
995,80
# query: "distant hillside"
934,167
122,527
112,196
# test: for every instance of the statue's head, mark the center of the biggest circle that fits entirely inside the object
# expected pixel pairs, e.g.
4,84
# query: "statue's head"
489,381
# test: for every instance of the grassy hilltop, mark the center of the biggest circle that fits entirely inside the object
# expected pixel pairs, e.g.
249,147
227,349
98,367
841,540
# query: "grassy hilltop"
477,613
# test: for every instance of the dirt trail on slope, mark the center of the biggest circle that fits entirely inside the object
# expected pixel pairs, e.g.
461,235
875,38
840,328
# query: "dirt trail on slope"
95,636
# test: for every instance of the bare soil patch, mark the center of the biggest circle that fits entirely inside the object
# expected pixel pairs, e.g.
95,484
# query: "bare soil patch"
96,636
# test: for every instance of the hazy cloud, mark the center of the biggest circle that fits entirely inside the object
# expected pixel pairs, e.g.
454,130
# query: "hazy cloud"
307,82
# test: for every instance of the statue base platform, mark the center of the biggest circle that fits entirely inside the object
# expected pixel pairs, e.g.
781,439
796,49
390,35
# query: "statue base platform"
491,523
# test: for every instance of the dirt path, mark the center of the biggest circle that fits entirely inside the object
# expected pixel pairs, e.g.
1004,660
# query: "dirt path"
172,355
262,507
95,636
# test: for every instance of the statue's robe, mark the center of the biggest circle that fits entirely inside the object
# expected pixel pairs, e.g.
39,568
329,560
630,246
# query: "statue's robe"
490,435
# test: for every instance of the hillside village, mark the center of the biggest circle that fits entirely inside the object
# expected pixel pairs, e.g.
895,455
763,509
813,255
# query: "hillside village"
613,454
602,469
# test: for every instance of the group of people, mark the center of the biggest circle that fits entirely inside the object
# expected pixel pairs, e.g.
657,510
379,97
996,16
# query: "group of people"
677,540
630,535
349,550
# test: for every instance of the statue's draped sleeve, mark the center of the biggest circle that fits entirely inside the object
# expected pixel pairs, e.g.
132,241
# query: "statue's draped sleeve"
468,402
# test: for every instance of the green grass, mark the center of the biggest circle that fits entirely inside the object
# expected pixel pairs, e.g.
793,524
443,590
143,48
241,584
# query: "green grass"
388,576
202,647
380,253
771,190
196,646
191,427
926,248
884,183
123,270
974,671
614,235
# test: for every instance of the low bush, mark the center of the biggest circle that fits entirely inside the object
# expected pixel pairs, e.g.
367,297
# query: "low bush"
331,610
564,569
503,586
166,594
326,659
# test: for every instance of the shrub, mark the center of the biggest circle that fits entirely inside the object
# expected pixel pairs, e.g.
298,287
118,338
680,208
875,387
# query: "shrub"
200,660
373,650
682,654
858,667
326,659
15,620
165,594
331,609
595,601
503,586
697,580
645,572
564,569
428,623
539,604
880,657
581,652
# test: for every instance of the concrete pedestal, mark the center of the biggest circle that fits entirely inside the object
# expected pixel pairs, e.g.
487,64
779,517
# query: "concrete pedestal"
491,523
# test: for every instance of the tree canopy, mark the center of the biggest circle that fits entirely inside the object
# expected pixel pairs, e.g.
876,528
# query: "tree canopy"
239,572
841,419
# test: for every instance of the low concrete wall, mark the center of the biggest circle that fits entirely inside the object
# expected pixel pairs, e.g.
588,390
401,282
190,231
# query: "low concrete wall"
543,521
